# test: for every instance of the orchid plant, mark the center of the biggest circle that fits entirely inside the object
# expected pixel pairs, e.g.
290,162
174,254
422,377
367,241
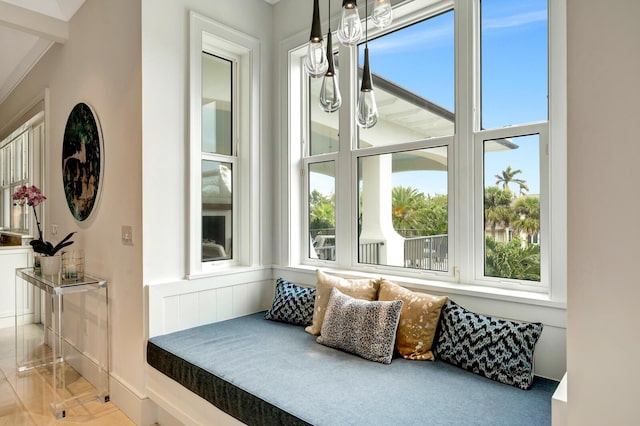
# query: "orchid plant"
32,196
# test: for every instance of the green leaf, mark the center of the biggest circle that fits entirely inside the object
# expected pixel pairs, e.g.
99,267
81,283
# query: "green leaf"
46,248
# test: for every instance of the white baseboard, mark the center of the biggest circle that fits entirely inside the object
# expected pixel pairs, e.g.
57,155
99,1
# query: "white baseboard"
10,321
139,408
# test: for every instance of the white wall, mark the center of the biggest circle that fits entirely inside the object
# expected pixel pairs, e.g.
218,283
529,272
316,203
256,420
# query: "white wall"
603,177
100,65
165,87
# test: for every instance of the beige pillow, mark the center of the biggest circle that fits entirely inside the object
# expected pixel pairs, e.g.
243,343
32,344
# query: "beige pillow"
418,319
366,289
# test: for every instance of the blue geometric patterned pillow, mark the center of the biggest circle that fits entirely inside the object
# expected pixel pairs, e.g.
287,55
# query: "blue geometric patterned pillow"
292,303
499,349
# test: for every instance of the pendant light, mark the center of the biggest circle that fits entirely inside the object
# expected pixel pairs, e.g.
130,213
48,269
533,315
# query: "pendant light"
367,110
315,63
330,98
350,29
382,13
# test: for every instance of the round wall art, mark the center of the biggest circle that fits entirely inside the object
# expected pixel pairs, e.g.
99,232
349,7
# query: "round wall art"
82,161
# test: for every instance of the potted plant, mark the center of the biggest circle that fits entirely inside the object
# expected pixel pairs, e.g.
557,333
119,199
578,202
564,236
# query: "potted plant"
50,260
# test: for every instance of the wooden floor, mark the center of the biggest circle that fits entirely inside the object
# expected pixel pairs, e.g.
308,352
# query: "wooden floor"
25,398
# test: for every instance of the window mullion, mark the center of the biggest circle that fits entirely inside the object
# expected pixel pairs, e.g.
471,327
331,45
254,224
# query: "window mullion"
467,96
346,208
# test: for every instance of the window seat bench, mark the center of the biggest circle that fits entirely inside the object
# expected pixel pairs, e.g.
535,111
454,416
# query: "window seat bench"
269,373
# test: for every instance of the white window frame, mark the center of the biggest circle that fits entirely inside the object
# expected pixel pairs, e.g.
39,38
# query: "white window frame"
542,130
244,52
32,133
466,202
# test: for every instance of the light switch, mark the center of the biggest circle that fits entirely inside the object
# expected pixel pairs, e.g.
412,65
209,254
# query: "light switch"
127,235
54,229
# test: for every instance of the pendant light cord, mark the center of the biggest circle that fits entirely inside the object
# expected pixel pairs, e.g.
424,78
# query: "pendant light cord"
366,23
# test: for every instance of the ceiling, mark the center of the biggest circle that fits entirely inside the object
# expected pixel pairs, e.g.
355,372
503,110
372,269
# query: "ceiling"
28,28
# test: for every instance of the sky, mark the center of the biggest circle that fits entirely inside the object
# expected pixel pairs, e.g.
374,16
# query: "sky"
514,82
513,85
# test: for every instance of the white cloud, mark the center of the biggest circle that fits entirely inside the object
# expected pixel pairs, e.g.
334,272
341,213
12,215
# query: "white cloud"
423,39
516,20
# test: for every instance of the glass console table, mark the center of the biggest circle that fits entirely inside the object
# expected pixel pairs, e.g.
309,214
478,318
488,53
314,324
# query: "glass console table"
62,332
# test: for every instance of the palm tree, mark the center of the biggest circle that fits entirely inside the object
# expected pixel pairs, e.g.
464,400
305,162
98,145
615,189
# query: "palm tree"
497,207
527,210
406,202
508,176
322,211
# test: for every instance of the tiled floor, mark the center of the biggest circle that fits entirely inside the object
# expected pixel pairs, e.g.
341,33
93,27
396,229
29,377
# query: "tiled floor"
25,398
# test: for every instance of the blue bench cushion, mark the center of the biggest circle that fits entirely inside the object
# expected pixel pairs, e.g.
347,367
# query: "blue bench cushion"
266,372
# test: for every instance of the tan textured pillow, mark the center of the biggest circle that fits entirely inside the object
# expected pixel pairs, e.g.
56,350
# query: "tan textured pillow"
366,289
418,319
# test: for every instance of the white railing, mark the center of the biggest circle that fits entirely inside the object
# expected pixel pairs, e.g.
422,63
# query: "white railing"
428,253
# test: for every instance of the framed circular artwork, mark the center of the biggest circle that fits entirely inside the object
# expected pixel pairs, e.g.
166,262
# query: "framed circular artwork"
82,161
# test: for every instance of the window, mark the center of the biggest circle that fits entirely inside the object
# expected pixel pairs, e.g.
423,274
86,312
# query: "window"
322,210
454,181
19,153
514,93
413,82
512,201
403,209
223,141
218,157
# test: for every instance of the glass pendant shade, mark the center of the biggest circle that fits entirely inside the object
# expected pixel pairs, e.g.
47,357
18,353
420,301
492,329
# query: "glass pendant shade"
367,115
382,13
367,109
315,63
330,98
350,28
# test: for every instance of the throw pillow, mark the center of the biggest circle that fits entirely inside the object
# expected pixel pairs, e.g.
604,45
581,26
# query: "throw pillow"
361,327
292,303
366,289
418,320
499,349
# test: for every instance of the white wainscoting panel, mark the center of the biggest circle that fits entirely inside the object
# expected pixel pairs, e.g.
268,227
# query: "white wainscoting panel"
189,303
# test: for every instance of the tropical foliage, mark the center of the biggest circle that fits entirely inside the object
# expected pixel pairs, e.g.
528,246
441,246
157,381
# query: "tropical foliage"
497,208
516,258
527,216
322,211
413,210
513,259
424,215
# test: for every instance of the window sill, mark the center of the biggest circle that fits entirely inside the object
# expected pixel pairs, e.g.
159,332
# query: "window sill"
227,270
448,288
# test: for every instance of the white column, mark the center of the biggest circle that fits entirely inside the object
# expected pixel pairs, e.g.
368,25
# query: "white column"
376,209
